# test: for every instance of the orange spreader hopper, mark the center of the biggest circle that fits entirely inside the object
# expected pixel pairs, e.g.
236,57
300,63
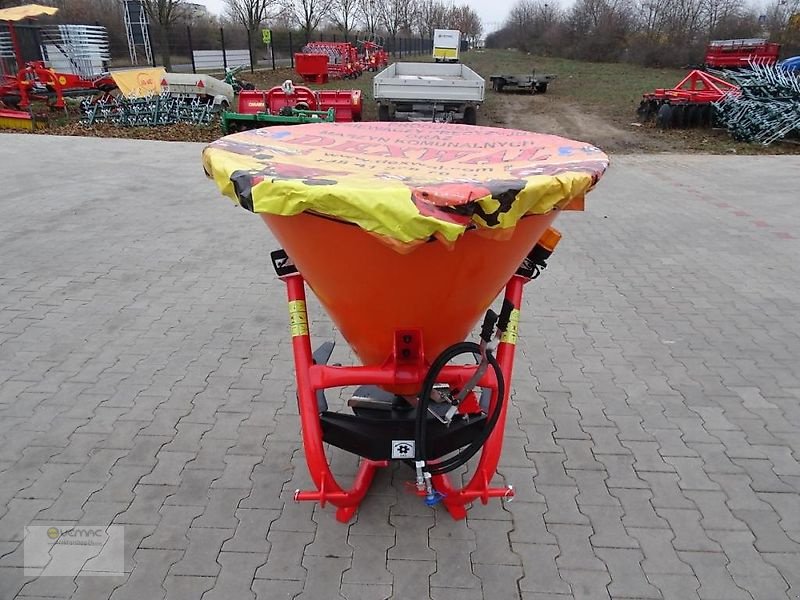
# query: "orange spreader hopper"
370,290
406,232
399,225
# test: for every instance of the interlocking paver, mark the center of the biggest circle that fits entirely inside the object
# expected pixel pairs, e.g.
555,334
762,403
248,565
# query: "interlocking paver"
766,527
220,512
606,521
675,587
659,552
587,585
628,580
236,576
412,538
187,587
716,582
499,581
529,526
593,489
453,564
147,578
283,561
171,533
716,514
193,488
267,589
539,566
200,556
576,551
411,577
146,502
369,560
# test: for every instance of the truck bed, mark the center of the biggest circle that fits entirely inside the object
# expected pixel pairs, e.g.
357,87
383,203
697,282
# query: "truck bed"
428,82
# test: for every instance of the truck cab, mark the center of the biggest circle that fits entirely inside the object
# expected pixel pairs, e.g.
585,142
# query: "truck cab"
446,45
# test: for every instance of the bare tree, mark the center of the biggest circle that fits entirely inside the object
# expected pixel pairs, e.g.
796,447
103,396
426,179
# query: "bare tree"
466,20
164,13
344,14
368,13
250,14
430,15
391,14
309,14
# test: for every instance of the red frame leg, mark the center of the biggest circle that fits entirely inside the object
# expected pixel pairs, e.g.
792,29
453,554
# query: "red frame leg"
311,377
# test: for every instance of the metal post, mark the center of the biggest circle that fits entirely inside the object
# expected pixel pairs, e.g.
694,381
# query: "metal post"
224,54
400,46
272,48
291,50
191,49
250,49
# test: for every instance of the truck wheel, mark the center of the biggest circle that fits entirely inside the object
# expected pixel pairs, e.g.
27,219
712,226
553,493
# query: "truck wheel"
383,113
498,85
540,88
470,116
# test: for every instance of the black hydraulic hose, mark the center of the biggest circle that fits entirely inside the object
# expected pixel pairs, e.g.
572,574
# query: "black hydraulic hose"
469,451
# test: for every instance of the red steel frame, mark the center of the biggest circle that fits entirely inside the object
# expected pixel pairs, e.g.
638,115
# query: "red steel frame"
396,371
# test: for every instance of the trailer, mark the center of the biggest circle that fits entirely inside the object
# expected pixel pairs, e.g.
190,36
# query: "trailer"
407,91
205,87
533,83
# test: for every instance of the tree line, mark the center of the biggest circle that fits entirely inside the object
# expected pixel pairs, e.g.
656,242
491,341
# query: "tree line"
648,32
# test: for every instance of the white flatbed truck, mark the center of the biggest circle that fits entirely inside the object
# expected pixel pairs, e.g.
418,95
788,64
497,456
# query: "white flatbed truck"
441,92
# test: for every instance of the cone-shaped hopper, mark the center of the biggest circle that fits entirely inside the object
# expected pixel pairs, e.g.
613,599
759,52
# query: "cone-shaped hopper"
404,225
370,290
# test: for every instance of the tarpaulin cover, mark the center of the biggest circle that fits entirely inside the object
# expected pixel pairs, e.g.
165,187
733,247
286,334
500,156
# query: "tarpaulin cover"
138,83
26,11
404,182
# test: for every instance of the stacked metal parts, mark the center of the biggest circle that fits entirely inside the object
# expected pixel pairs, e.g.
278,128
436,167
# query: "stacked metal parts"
767,107
78,49
149,111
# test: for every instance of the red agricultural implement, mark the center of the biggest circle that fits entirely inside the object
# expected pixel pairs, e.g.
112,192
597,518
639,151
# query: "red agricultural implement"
313,68
406,245
732,54
342,62
291,105
373,56
34,80
688,104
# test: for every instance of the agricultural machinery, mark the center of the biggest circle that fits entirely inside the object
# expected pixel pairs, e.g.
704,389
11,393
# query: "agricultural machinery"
237,84
373,56
318,62
409,234
732,54
288,104
688,104
78,52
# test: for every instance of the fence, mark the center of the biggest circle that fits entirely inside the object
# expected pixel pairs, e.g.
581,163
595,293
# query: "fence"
196,49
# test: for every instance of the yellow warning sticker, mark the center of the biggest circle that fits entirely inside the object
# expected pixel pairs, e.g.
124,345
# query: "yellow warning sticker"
512,331
298,318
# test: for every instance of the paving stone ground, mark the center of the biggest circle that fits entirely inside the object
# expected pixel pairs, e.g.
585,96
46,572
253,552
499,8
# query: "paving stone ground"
146,381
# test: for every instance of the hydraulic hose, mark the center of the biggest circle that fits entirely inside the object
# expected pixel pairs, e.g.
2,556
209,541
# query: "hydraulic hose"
421,427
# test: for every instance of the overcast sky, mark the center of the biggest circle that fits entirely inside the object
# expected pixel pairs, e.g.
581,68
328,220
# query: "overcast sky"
492,12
